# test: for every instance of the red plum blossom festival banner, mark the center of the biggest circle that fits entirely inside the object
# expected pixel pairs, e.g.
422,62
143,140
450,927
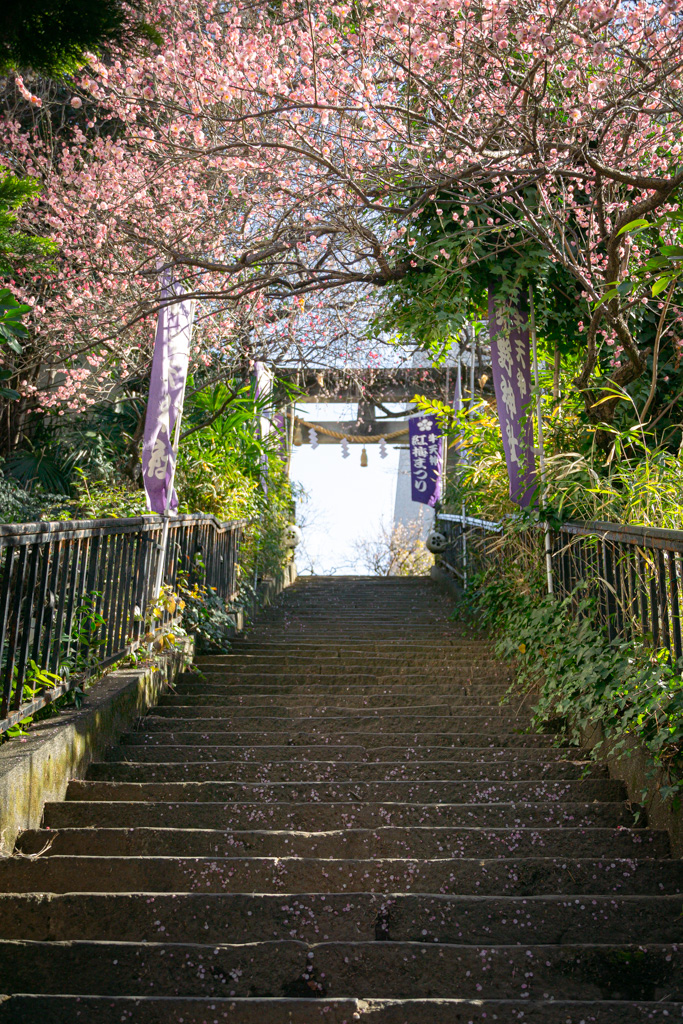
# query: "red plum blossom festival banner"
426,458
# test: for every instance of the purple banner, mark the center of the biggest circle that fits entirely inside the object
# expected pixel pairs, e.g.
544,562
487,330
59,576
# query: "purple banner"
263,389
426,458
280,427
166,394
511,366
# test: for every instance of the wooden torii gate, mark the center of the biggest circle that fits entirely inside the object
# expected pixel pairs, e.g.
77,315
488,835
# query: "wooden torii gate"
371,389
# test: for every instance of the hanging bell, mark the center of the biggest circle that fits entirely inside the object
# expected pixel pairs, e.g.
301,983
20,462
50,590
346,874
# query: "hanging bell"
364,457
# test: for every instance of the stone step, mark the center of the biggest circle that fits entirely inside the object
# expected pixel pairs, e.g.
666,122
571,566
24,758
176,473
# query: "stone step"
185,769
384,618
202,731
333,632
411,656
512,876
66,1009
190,717
329,690
419,706
409,757
407,661
342,808
214,693
359,674
213,707
361,969
415,649
416,842
319,817
235,917
412,791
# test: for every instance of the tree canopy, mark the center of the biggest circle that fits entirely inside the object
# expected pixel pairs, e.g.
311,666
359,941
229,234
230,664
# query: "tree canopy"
283,160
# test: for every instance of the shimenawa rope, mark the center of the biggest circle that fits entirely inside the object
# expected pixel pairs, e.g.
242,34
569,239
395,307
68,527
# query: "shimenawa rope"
352,438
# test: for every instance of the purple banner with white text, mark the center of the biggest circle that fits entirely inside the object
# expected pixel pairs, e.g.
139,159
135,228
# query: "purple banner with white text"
166,394
511,367
426,458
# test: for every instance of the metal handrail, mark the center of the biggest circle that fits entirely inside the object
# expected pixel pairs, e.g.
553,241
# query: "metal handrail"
482,524
48,571
635,573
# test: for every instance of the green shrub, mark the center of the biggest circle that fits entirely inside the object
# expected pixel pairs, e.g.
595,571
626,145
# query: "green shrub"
580,680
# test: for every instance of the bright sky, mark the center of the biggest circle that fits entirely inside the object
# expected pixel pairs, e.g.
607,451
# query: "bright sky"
346,502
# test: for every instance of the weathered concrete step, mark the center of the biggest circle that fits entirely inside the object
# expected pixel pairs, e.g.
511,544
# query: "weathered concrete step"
364,611
260,756
387,841
333,632
178,1010
189,717
214,693
185,769
162,730
287,640
409,652
319,817
237,707
513,876
401,663
360,969
410,655
427,685
237,917
420,604
352,618
412,791
182,707
457,684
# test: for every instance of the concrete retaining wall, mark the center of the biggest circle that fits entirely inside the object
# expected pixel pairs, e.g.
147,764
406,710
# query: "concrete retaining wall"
36,768
633,764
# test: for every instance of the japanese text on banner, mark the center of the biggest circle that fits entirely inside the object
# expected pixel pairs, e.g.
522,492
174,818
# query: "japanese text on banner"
426,458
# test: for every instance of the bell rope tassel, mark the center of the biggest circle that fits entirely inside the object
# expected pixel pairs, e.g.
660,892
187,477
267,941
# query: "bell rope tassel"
364,457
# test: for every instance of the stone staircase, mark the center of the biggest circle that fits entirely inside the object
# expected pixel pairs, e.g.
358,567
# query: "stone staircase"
338,822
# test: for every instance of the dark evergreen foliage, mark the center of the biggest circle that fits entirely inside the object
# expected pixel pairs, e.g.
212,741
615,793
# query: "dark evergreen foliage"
53,37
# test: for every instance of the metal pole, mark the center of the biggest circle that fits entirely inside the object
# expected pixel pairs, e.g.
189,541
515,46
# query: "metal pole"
541,452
